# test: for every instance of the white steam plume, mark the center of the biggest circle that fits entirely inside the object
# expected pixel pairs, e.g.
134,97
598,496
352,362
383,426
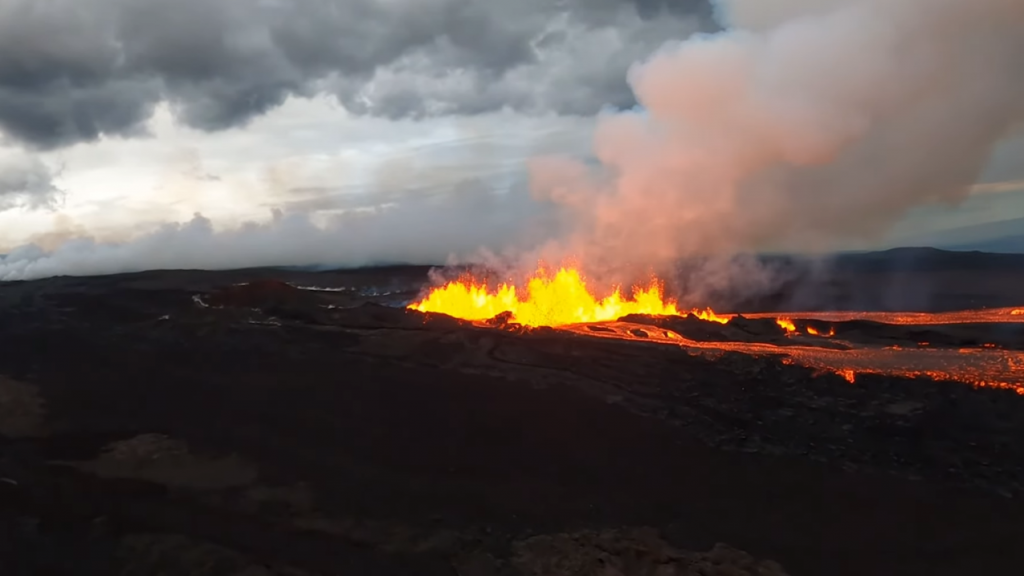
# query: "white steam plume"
814,123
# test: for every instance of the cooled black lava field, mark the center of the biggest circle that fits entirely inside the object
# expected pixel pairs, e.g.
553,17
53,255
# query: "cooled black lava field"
304,423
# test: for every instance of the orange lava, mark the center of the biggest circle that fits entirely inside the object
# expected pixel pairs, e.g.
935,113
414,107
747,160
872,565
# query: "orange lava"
984,367
710,316
790,327
978,367
563,299
984,316
549,299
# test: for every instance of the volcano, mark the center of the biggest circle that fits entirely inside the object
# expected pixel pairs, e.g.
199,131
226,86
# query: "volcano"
285,422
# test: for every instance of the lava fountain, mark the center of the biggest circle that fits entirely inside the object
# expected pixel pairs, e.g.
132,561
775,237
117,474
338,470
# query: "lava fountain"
551,299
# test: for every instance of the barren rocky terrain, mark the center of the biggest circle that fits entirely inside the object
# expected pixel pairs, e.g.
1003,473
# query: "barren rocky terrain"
193,423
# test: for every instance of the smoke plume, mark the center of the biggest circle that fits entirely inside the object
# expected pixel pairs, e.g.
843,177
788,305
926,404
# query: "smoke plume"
805,125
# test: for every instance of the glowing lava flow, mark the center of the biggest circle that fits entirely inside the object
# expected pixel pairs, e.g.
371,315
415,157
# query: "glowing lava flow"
978,367
983,316
787,325
562,299
815,332
790,327
549,300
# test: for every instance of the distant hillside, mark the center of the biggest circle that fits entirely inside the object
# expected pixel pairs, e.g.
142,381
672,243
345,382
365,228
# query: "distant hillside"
1005,244
920,259
1004,236
906,279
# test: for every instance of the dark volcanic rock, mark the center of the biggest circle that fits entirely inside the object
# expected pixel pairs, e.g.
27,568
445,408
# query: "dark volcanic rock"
259,294
375,316
1006,336
280,431
502,320
273,297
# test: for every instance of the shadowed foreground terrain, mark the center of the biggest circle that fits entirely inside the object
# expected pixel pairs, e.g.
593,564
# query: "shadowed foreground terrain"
179,423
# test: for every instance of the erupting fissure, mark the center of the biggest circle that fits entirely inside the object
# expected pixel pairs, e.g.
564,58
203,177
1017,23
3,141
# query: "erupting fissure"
563,299
556,299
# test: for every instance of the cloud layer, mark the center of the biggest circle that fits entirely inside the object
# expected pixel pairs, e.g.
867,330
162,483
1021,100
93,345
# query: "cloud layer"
26,181
71,70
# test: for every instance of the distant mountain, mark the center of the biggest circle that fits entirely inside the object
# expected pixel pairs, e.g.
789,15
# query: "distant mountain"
1004,236
1005,245
923,259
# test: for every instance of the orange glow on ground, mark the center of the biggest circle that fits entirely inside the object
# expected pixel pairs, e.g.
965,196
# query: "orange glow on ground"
984,316
979,367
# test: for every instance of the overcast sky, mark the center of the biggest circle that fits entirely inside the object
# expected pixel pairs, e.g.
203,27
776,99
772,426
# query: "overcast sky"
115,114
119,116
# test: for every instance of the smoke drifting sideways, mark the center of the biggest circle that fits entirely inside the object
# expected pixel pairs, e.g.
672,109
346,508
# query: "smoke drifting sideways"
804,125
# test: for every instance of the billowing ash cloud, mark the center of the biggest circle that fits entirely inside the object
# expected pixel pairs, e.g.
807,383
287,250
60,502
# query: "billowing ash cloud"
816,122
71,70
27,182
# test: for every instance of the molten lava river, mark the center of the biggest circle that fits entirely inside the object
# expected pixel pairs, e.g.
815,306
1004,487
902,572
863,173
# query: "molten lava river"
563,300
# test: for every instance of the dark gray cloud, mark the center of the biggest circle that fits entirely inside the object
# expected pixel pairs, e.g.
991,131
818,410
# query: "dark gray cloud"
71,70
27,182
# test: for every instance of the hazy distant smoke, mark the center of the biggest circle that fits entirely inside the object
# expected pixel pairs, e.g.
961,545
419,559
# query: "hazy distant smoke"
425,230
815,123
